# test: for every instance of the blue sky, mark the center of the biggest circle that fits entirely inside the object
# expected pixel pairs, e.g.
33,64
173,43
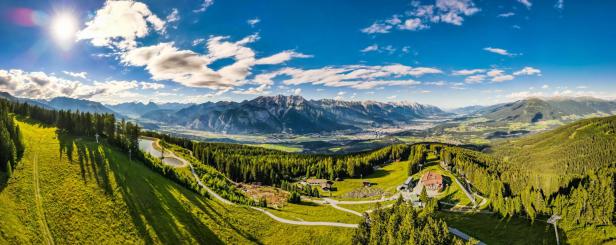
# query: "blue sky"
447,53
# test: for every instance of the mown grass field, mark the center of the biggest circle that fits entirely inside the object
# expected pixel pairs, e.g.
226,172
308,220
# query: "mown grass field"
308,211
93,194
280,147
450,194
387,178
367,206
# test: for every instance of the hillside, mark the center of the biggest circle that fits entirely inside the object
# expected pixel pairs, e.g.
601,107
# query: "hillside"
294,114
138,109
71,190
533,110
555,157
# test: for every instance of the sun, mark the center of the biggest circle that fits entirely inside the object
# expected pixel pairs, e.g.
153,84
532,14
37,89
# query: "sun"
63,29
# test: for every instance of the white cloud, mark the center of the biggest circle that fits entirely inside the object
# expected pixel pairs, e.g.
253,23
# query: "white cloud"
560,4
413,24
204,6
392,97
297,91
420,16
341,93
425,91
545,86
82,74
119,23
166,62
253,22
376,28
153,86
353,76
495,73
466,72
528,71
506,15
39,85
502,78
198,41
524,95
371,48
526,3
499,51
475,79
281,57
436,83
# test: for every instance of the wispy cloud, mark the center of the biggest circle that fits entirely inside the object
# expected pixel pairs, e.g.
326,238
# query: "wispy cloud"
253,22
526,3
82,75
506,15
420,17
204,6
499,51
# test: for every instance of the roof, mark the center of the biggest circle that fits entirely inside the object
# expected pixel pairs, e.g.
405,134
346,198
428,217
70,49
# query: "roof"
408,180
316,181
432,178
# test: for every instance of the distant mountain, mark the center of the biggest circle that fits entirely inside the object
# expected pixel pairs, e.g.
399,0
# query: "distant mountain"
293,114
138,109
535,109
10,97
65,103
466,110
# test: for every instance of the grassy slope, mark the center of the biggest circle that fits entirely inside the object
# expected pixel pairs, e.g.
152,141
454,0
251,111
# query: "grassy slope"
387,178
96,195
493,230
308,211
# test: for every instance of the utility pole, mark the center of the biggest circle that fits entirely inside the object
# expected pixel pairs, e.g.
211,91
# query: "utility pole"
552,220
129,155
96,138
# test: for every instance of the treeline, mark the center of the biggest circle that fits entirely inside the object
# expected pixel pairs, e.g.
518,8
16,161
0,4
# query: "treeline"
212,178
122,134
248,164
11,142
305,190
403,224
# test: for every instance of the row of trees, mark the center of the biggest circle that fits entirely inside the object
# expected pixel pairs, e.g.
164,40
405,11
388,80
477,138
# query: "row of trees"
11,143
124,135
403,224
243,163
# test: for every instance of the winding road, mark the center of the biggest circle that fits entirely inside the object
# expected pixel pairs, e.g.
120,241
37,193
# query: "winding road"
332,202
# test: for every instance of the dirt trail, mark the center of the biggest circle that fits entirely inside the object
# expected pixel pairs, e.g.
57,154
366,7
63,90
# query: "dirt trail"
38,199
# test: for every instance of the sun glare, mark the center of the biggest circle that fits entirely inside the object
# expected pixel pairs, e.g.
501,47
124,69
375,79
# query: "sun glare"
63,29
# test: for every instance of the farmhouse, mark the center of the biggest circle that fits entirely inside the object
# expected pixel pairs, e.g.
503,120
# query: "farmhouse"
323,183
432,181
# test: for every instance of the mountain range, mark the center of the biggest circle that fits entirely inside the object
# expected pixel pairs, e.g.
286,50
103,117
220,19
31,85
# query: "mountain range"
294,114
533,110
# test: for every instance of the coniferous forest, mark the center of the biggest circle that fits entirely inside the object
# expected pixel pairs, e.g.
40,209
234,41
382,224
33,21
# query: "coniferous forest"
583,194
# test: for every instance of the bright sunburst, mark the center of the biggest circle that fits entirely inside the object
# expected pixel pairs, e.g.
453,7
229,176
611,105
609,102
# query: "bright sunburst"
63,29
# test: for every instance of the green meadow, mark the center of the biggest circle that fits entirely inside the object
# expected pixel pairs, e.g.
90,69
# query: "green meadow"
72,190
